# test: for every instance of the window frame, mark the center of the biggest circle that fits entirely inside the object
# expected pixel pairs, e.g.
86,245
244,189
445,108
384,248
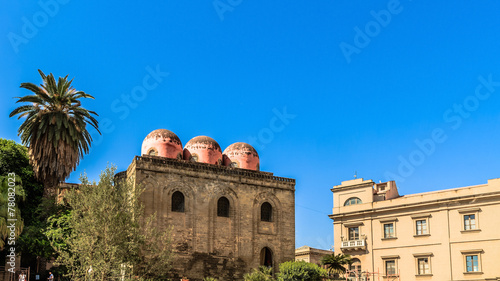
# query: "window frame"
468,212
151,150
427,220
427,256
383,223
271,215
219,211
471,253
394,259
183,202
349,232
353,198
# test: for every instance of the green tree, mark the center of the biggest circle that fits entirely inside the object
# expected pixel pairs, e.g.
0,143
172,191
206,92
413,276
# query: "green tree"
336,263
300,271
10,187
35,210
55,128
260,274
104,233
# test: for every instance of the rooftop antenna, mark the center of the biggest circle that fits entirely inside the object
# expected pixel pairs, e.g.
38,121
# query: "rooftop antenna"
355,174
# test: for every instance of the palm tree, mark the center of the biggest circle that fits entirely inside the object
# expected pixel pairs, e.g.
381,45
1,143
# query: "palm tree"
336,263
55,128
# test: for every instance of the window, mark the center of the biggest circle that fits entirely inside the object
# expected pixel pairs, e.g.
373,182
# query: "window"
469,222
389,230
423,263
353,233
223,207
178,202
390,267
472,261
421,226
355,266
234,165
266,212
194,157
470,219
352,201
423,266
472,264
152,152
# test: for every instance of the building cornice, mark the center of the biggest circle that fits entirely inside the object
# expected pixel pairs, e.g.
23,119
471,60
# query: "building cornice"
451,203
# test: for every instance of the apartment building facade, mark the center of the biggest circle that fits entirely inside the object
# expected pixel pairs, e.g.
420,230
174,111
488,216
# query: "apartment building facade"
442,235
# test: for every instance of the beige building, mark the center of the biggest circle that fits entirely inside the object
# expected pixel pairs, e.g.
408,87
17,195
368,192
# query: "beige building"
442,235
312,255
228,217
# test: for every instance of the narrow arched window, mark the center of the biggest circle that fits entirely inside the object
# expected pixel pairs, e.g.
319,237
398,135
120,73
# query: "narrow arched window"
266,212
223,207
153,152
177,202
352,201
266,257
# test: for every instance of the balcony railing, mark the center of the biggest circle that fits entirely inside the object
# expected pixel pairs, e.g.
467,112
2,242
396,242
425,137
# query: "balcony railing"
352,245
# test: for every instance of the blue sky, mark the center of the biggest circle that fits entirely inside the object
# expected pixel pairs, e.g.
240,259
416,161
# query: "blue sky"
391,90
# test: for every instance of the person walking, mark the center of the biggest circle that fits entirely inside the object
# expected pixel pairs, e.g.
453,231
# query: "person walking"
51,276
22,276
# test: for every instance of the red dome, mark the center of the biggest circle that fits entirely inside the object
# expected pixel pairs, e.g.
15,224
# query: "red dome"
241,155
203,149
162,143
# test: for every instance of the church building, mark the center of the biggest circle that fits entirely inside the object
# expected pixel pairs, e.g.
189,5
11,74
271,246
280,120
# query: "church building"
227,216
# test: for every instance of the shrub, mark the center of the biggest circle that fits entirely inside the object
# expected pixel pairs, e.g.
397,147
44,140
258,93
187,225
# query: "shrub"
300,271
261,274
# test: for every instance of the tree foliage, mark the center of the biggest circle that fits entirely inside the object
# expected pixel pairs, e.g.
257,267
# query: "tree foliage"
336,263
9,209
55,127
104,233
300,271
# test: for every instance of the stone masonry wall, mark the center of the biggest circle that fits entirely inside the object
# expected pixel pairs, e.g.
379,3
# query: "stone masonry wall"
207,245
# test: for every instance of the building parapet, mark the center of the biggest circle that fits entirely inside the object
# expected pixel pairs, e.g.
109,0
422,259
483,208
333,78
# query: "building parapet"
141,161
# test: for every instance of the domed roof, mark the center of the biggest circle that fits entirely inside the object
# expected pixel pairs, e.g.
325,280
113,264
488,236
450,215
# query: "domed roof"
203,149
163,133
241,155
162,143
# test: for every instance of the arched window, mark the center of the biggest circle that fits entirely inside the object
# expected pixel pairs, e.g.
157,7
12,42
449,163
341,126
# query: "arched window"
178,202
223,207
355,266
266,212
352,201
234,165
153,152
194,157
266,257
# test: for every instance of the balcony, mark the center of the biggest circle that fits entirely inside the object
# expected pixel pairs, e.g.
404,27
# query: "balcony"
353,245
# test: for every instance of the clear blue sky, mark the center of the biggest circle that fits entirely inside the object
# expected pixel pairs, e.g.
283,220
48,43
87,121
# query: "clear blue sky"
362,92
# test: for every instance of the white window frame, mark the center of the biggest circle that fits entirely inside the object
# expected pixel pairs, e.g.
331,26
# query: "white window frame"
419,256
475,252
